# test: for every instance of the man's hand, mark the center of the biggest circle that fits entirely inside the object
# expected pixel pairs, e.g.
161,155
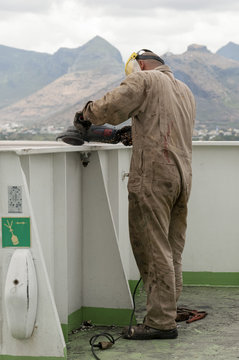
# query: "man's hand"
126,135
80,123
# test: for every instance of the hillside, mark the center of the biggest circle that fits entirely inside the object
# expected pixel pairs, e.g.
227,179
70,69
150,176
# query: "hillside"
214,81
60,99
87,72
24,72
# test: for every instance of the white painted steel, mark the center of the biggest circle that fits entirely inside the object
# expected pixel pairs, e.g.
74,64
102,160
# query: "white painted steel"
213,231
74,232
82,218
21,294
213,204
47,339
104,281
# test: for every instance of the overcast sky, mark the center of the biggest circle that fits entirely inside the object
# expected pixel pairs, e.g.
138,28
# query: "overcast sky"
129,25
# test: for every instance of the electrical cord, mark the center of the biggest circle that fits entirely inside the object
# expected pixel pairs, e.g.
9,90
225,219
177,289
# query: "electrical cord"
133,311
103,345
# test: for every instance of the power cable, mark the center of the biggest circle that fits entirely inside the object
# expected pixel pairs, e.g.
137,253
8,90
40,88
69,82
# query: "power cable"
103,345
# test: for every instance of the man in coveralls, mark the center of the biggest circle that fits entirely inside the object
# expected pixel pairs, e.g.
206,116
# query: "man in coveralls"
163,112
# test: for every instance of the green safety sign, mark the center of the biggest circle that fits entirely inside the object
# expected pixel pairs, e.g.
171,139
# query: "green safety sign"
16,232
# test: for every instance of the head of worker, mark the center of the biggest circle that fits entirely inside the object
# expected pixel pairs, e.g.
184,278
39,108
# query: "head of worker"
142,60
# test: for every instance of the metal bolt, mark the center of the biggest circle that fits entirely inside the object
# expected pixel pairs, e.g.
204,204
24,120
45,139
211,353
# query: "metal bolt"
85,158
124,175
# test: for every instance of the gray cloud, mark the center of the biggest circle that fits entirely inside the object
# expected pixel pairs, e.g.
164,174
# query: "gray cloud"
122,7
23,6
140,6
160,25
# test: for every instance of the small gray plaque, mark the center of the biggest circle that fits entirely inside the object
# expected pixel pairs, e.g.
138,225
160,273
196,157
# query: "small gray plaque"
14,199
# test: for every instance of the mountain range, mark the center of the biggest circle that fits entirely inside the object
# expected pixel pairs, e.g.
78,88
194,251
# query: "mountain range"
42,89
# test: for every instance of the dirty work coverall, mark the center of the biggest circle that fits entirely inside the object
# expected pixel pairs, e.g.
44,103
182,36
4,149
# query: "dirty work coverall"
163,111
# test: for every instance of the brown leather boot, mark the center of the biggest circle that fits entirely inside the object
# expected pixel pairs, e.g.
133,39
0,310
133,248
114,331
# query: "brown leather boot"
144,332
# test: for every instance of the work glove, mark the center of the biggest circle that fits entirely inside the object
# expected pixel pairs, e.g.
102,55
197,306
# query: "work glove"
79,122
125,134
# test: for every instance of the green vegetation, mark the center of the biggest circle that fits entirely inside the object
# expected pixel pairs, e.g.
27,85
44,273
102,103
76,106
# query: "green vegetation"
222,137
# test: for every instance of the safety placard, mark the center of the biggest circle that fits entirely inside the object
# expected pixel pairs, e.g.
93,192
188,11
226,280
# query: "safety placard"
16,232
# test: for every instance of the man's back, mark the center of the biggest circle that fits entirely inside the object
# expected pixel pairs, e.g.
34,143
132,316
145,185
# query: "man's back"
165,119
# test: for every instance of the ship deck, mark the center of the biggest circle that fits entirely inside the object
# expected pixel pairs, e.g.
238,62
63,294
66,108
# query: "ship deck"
214,337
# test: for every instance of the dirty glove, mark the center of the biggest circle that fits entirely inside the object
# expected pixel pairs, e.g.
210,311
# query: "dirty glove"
126,135
79,122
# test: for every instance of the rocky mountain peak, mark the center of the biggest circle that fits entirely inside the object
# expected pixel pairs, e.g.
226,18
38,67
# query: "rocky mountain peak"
61,83
95,54
198,48
24,72
230,51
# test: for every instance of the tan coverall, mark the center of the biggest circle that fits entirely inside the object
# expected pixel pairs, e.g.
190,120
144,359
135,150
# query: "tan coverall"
163,112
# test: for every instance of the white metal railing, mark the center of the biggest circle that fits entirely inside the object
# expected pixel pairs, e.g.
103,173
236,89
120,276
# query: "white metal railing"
213,205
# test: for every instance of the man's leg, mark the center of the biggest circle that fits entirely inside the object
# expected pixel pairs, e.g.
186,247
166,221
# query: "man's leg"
177,234
149,215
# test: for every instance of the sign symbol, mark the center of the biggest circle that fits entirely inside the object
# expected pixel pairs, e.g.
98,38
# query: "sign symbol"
14,238
16,232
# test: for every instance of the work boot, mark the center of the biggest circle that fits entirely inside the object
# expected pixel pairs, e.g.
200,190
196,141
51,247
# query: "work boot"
144,332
